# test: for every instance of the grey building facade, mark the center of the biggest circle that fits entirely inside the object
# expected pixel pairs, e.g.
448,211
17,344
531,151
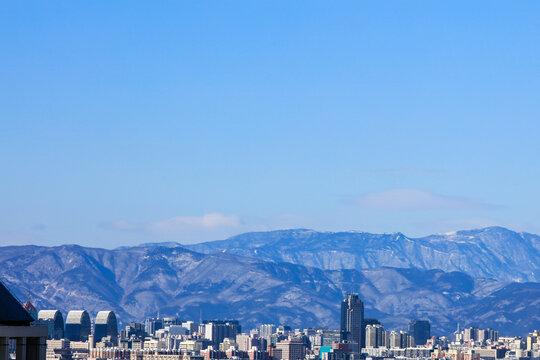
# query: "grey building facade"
352,320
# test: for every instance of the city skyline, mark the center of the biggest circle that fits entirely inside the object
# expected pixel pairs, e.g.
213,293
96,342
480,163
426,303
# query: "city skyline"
170,338
400,278
269,180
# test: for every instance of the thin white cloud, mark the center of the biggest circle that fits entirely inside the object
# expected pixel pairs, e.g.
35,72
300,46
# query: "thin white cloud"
177,224
207,221
416,199
211,226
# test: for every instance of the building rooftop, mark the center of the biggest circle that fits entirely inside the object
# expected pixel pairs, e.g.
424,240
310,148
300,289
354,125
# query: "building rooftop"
11,310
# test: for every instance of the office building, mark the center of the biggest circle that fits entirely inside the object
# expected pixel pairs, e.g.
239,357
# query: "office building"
54,321
375,336
106,326
352,320
420,330
532,339
78,325
152,324
266,330
289,350
217,330
191,326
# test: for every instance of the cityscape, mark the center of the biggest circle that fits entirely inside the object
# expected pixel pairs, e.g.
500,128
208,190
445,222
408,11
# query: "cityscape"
269,180
169,338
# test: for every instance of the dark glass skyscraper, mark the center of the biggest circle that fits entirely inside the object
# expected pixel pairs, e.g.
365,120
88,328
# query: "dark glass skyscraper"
54,321
420,330
78,325
352,320
106,325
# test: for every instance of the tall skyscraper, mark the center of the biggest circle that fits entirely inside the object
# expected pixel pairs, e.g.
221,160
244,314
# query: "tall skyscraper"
106,325
420,330
352,320
266,330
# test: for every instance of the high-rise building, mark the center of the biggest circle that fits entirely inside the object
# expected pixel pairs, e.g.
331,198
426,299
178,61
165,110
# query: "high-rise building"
135,329
375,336
290,350
329,337
400,340
192,327
395,339
244,341
482,335
533,338
371,336
106,326
492,335
153,324
266,330
168,321
420,330
469,334
78,325
218,330
54,321
352,320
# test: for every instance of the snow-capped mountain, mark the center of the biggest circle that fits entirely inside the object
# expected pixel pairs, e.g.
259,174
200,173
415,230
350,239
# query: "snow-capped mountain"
137,282
492,252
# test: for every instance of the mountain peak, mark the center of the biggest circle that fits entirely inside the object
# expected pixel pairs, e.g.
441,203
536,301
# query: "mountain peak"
455,251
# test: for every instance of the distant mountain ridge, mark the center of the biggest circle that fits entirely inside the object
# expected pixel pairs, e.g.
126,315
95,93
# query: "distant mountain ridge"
141,281
492,252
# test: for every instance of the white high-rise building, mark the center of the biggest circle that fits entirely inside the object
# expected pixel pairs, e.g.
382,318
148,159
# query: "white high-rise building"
267,330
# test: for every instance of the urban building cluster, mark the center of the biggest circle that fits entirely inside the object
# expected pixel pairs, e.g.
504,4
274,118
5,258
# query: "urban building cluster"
81,337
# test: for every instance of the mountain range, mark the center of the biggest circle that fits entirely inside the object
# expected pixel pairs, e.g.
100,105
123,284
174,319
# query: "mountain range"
271,278
493,252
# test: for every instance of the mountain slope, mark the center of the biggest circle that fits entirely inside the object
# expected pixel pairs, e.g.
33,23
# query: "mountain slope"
140,281
493,252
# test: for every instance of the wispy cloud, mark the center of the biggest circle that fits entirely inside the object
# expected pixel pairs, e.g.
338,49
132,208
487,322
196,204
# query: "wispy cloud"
207,221
211,226
416,199
176,224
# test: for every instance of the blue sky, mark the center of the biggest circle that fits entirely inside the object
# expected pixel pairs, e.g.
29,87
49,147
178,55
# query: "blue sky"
131,122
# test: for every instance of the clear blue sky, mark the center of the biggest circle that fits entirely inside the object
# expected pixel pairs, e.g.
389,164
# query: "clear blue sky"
130,122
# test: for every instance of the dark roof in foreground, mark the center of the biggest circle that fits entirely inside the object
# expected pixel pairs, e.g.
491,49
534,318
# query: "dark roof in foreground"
11,311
